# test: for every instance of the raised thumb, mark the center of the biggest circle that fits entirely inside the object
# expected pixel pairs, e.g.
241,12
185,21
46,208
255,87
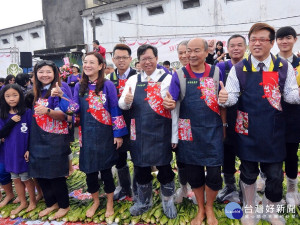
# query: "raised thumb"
129,90
222,85
169,95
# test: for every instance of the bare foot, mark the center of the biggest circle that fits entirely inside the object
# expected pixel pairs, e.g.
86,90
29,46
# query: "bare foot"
31,207
6,200
109,211
38,197
17,200
48,210
19,208
91,211
211,218
61,213
199,218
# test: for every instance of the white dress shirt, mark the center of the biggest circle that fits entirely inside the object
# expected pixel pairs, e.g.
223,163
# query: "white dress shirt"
165,84
290,92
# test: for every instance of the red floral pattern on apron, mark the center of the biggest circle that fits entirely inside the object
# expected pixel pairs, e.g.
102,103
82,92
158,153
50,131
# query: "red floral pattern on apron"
271,89
121,86
97,109
242,123
185,130
155,100
49,124
132,130
208,92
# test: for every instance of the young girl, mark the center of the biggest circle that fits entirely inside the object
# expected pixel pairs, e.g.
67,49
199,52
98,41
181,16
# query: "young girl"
5,178
102,127
16,144
48,160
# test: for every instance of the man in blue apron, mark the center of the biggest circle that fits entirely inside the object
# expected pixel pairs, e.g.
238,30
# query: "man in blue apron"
286,38
150,131
122,59
258,83
236,46
200,129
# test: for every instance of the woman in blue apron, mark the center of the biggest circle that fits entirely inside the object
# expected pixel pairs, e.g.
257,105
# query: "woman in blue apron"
48,159
102,127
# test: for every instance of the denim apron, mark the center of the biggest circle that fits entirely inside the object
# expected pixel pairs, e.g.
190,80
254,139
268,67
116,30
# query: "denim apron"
49,147
200,129
260,122
98,151
150,127
292,114
230,115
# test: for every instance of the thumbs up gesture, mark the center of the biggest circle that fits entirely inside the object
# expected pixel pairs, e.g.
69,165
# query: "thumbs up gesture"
56,91
129,97
223,94
168,102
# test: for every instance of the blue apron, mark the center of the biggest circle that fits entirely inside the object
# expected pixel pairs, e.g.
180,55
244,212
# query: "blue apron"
125,113
49,152
98,151
292,115
205,126
260,137
152,143
230,115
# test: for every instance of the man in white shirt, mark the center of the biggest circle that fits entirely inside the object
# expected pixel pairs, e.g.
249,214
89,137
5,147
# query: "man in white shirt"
286,37
258,83
150,131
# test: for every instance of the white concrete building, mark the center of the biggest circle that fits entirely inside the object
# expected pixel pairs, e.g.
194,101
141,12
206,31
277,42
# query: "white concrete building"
26,37
155,21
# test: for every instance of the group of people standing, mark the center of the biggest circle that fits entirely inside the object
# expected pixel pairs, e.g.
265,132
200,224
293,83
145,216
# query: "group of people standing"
207,114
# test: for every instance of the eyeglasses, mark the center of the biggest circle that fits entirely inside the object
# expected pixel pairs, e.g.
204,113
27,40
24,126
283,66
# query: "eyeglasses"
150,59
260,40
121,58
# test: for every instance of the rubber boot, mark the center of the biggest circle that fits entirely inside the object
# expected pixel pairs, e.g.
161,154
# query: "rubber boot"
144,199
134,188
167,199
249,202
292,195
183,190
229,192
270,214
124,188
261,182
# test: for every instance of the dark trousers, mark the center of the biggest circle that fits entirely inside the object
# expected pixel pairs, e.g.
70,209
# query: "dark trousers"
291,161
229,159
106,177
196,176
122,160
143,174
274,175
55,191
182,175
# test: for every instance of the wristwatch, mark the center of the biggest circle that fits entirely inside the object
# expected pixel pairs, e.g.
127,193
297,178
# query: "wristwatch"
48,111
225,124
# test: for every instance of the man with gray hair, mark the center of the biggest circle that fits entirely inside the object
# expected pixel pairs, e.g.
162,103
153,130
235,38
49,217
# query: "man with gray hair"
200,129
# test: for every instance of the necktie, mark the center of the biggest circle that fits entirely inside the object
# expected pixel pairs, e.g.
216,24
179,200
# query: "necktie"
261,66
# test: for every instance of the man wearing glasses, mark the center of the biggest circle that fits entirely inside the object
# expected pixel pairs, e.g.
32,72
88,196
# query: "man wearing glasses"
122,59
150,131
258,83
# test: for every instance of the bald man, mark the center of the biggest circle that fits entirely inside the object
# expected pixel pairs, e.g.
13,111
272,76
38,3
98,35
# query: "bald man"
200,127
